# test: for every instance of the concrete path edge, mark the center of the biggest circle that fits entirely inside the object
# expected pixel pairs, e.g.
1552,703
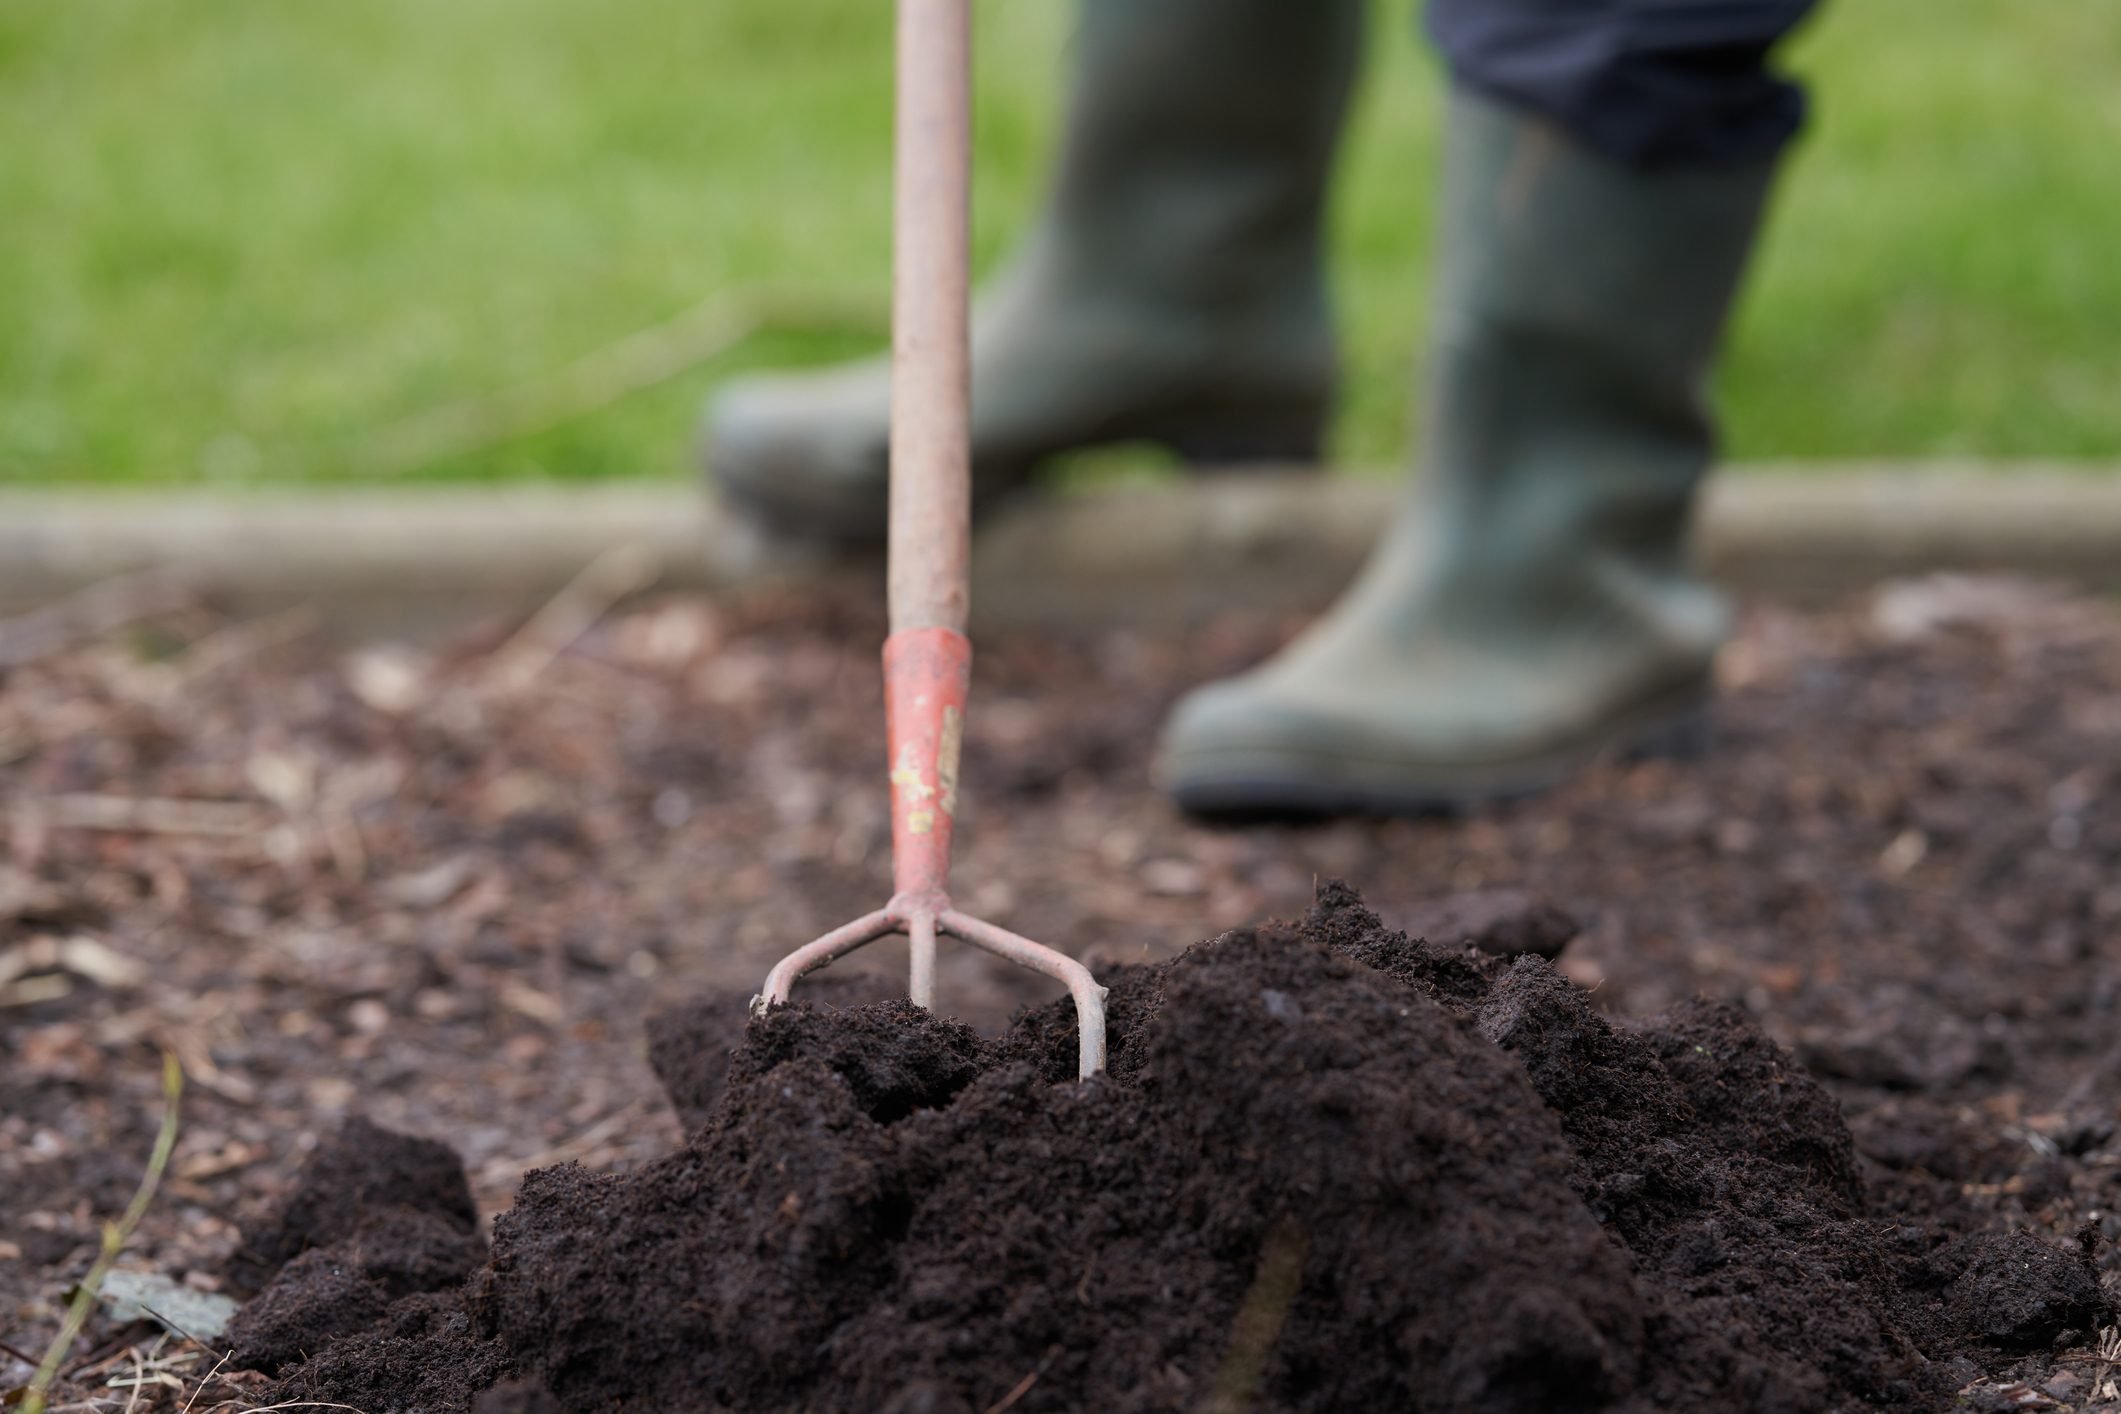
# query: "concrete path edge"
425,560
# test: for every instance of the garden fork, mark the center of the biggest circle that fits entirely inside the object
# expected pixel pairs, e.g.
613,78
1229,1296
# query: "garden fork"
927,658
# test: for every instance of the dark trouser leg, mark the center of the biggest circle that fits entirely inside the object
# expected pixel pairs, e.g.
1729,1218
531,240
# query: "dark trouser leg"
1647,82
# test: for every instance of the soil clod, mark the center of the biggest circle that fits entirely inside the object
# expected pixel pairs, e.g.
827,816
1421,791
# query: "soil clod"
517,1397
403,1201
374,1218
2017,1292
315,1299
1505,922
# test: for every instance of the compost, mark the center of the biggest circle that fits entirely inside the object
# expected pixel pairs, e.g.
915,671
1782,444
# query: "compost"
1332,1167
432,893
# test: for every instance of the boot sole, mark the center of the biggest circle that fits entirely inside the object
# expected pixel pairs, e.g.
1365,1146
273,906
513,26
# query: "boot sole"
1255,785
1206,446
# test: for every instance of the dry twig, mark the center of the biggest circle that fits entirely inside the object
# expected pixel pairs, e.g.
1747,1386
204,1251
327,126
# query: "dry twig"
88,614
503,1174
2109,1357
154,815
194,1399
224,648
636,362
1021,1388
621,571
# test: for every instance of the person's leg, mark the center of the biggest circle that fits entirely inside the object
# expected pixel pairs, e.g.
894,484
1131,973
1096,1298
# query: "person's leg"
1173,291
1532,606
1649,83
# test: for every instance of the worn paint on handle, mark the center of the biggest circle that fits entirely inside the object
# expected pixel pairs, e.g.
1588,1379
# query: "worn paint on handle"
927,672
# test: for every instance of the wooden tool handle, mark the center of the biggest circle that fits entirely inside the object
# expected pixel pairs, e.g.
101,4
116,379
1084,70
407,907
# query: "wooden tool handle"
931,384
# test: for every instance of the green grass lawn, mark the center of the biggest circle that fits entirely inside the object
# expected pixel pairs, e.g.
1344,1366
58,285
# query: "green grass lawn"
255,239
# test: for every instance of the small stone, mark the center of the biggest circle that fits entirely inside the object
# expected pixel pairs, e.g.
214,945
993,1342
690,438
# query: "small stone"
2064,1385
1504,922
202,1315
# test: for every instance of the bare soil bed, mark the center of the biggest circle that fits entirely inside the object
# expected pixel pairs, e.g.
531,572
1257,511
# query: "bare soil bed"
1334,1166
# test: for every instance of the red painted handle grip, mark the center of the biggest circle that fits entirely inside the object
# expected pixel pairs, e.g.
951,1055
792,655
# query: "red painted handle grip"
927,672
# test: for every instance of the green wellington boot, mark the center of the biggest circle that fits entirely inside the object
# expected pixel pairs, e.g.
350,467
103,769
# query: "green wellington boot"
1173,293
1531,607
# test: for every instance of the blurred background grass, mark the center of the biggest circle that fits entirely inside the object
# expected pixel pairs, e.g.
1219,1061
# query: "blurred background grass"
250,240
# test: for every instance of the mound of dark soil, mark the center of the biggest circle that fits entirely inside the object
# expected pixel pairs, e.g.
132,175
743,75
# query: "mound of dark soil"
374,1217
403,1200
1331,1168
